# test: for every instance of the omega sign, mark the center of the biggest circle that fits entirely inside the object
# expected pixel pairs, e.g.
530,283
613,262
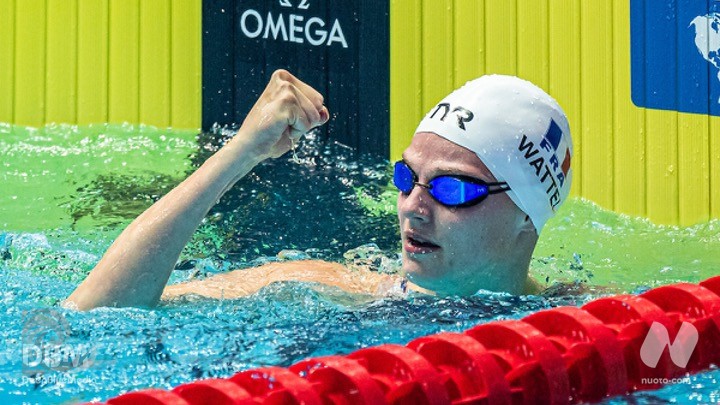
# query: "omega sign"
292,27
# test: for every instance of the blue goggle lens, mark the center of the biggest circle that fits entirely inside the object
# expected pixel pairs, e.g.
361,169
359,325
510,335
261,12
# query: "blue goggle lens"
404,178
453,191
447,190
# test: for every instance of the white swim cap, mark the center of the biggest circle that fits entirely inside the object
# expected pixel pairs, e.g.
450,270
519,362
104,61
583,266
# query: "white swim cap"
519,132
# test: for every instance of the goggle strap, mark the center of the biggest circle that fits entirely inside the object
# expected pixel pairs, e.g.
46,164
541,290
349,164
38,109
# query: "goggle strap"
503,187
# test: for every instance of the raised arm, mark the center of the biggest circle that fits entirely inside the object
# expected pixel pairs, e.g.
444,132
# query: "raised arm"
135,269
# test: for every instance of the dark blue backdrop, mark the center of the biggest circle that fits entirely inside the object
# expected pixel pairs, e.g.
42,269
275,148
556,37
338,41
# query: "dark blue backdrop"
340,47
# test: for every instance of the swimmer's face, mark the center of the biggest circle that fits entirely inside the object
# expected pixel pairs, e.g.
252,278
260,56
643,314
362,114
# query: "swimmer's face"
459,250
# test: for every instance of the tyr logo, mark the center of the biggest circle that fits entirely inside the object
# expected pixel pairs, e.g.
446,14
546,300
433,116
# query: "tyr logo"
304,4
462,114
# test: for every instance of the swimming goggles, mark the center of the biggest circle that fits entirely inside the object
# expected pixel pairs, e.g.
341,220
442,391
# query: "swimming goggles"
449,190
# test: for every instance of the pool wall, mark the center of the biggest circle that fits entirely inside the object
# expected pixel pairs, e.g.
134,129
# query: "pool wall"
641,97
100,61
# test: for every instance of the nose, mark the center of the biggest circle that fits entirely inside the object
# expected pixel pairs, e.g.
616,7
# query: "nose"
416,206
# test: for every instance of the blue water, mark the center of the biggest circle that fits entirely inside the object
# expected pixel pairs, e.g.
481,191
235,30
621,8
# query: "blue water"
333,206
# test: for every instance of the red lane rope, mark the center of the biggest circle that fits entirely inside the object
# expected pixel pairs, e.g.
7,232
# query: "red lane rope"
556,356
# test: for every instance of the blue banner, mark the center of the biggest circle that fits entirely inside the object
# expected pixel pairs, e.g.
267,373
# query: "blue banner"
675,46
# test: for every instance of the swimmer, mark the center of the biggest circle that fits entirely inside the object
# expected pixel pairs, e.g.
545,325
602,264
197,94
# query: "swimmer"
486,168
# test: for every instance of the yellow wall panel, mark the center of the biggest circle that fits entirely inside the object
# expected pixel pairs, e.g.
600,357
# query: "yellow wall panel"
597,112
155,62
533,42
123,104
92,102
405,72
99,61
501,37
693,168
140,61
437,52
662,166
185,66
564,80
715,167
7,59
628,124
61,72
29,86
469,46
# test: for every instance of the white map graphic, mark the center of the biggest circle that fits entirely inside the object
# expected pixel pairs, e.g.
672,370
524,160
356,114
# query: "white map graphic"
707,38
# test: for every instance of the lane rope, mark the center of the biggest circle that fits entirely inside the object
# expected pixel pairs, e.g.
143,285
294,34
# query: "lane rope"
556,356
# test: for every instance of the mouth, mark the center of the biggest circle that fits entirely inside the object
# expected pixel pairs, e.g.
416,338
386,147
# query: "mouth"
417,244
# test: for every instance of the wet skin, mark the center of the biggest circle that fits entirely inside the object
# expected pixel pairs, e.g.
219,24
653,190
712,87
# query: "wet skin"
460,250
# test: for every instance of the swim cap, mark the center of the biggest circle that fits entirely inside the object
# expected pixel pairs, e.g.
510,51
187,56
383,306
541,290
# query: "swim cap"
519,132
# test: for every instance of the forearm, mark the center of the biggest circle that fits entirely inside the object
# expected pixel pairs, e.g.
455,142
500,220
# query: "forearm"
136,268
134,271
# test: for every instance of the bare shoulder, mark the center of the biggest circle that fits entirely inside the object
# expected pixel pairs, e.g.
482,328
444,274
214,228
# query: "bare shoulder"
239,283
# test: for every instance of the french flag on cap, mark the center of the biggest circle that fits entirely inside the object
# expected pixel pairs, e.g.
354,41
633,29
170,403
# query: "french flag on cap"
553,141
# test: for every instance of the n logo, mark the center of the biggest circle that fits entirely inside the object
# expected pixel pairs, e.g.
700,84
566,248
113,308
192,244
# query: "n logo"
680,350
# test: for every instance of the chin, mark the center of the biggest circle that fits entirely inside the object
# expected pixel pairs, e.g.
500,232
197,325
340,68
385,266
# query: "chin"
410,270
415,272
417,275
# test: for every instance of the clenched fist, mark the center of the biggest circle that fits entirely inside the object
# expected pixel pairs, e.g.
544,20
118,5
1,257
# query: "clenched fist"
287,109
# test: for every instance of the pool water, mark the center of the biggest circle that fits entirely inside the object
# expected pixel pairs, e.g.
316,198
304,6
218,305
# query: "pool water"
69,191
